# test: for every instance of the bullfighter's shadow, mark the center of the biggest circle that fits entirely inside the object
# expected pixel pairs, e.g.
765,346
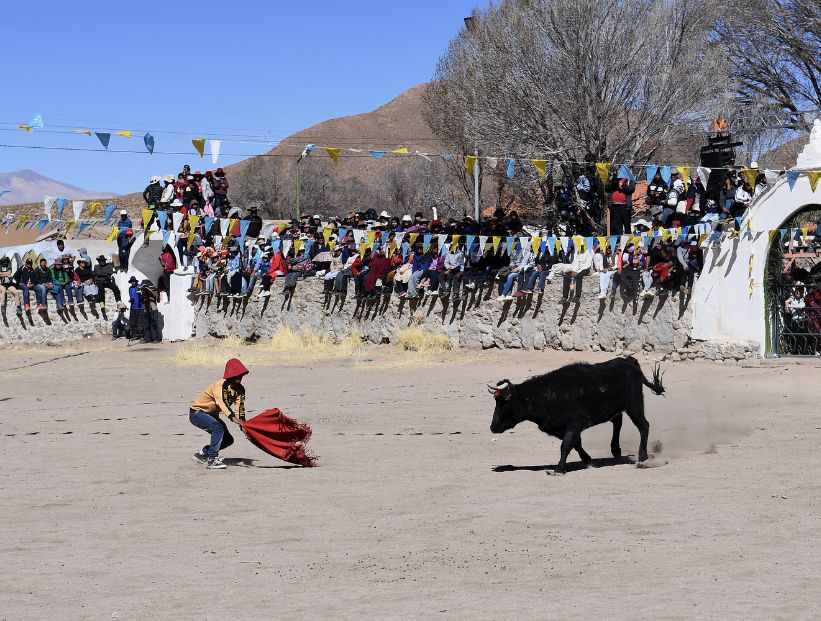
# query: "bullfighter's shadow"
245,462
601,462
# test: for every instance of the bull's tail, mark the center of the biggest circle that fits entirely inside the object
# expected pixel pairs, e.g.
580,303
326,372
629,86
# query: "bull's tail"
656,386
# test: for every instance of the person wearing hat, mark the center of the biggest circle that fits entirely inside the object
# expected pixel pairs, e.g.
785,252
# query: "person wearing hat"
207,191
225,396
25,279
124,240
152,195
254,222
167,193
120,326
9,288
220,186
84,278
104,279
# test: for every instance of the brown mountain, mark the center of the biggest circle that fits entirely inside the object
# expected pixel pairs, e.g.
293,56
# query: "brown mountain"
28,186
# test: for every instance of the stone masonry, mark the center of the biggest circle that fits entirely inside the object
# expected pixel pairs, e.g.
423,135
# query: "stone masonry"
661,325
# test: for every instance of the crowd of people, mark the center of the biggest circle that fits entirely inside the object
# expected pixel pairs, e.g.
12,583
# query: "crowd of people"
383,254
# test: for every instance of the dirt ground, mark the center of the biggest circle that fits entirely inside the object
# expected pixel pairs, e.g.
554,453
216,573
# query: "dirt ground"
417,511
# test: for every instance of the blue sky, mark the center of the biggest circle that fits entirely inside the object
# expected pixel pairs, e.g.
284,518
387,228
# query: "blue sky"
263,68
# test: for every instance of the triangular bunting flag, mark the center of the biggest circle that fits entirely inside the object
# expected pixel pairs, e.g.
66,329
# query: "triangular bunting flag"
541,167
109,211
104,138
162,218
87,132
603,168
148,141
124,134
147,213
813,176
92,209
333,153
666,174
494,243
684,171
626,173
792,177
492,161
209,222
482,243
651,172
511,164
470,162
401,151
61,205
215,146
199,145
77,208
377,153
751,175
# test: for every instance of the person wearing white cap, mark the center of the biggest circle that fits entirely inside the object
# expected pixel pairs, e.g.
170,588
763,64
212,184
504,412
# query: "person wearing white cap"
124,227
152,195
167,193
407,221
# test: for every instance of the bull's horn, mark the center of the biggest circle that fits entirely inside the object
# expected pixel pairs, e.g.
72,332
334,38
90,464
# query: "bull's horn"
502,386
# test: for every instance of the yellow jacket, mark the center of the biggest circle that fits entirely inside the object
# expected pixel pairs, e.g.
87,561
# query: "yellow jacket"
222,396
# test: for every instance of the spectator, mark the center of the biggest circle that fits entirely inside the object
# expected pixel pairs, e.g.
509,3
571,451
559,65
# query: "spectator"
84,278
72,289
168,193
42,284
9,290
25,279
104,279
125,235
621,204
453,273
524,262
603,266
149,297
169,264
120,326
59,280
573,277
254,223
220,186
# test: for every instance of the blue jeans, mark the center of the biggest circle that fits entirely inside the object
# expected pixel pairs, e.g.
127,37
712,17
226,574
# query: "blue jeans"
220,436
537,276
59,296
26,295
73,291
511,278
40,293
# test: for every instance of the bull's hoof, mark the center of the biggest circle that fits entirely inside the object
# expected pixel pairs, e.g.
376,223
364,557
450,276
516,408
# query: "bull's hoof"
555,473
616,453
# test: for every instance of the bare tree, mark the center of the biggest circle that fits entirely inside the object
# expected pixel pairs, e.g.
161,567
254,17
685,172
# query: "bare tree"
574,80
774,51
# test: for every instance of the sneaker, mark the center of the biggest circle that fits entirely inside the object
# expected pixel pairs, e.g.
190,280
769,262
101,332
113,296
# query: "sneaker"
602,295
402,294
433,293
470,285
265,294
520,294
27,307
41,307
200,457
215,463
564,301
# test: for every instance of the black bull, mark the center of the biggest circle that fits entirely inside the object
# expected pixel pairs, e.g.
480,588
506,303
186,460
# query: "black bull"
565,402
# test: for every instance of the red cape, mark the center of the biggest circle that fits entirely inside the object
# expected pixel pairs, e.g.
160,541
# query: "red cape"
280,436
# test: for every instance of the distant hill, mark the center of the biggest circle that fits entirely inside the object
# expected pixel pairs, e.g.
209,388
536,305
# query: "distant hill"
28,186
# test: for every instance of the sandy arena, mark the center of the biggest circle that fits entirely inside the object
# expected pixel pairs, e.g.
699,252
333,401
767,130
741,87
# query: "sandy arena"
417,511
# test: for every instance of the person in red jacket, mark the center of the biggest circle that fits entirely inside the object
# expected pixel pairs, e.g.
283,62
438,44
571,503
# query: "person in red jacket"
225,396
377,272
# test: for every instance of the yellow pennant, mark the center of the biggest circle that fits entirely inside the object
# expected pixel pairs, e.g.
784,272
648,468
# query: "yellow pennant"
92,209
193,221
69,226
327,231
190,240
750,273
602,243
535,243
412,238
470,161
124,134
804,231
113,234
603,168
362,249
332,245
702,238
147,213
297,245
814,176
401,151
771,235
25,128
333,153
665,235
199,145
684,171
22,220
87,132
232,225
454,242
371,238
750,174
541,167
494,242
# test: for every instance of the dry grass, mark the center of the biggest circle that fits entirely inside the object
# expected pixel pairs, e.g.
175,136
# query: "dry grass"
308,344
414,339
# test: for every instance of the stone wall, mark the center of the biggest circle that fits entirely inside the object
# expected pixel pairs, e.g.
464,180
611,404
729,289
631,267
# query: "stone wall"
661,325
49,326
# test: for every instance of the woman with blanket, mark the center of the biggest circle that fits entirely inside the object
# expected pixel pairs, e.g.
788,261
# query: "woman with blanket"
227,396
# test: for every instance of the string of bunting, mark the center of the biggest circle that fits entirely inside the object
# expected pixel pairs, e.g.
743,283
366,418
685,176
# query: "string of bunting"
509,162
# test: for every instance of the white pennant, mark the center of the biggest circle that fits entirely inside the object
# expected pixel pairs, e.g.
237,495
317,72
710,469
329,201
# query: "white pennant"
703,174
482,243
48,203
176,218
492,161
215,150
77,208
771,176
424,155
224,222
286,246
399,238
442,238
358,236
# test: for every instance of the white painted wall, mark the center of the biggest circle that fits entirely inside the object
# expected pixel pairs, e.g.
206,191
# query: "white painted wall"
723,307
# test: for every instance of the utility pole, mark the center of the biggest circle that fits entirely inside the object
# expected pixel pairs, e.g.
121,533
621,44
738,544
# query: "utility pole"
298,164
476,184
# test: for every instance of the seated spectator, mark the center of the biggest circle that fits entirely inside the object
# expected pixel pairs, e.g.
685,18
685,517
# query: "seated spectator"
378,270
524,262
604,267
120,327
84,279
573,277
104,279
9,291
25,279
72,289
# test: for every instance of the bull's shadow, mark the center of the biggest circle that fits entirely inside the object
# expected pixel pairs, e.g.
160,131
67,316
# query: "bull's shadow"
601,462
